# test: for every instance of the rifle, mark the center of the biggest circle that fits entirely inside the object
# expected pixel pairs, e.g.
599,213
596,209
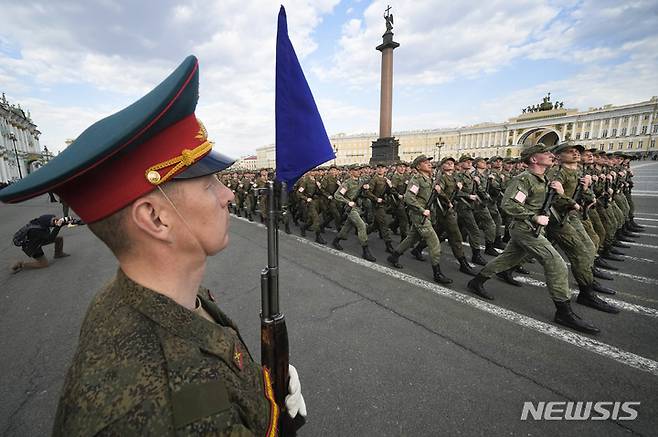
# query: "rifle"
434,195
274,349
545,209
606,193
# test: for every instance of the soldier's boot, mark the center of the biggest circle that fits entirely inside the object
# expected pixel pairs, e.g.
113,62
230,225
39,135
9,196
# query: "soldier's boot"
262,218
476,285
250,216
477,257
606,254
619,236
634,227
394,229
439,276
367,255
59,248
637,226
596,286
302,229
417,252
588,298
319,239
617,243
394,259
489,249
628,232
602,274
522,270
389,247
565,316
465,267
336,244
499,243
506,275
287,228
403,235
613,250
370,229
600,263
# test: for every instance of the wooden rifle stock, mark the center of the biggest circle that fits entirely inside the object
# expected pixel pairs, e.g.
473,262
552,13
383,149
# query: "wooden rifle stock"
274,333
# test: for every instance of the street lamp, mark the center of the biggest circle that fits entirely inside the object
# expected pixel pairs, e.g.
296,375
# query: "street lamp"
335,153
439,144
13,138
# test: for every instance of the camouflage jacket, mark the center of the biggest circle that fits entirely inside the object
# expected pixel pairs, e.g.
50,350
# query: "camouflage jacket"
524,196
148,366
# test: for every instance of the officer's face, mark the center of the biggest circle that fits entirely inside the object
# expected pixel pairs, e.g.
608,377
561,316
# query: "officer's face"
381,171
467,165
425,166
587,157
570,156
203,203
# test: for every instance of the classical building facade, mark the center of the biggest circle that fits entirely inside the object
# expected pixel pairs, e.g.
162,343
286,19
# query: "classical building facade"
632,128
245,163
20,152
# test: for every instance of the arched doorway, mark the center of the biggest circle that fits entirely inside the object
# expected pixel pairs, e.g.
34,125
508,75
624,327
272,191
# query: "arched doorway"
536,135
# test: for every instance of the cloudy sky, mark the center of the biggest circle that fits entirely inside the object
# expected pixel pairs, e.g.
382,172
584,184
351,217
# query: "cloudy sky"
73,62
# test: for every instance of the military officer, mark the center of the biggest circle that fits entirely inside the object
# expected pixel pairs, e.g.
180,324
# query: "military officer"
309,194
328,186
398,187
522,201
481,210
156,355
417,197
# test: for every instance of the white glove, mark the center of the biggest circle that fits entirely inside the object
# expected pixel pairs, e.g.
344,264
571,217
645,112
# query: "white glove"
295,401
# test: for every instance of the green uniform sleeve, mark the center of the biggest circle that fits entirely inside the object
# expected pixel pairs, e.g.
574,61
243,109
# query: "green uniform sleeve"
515,198
411,198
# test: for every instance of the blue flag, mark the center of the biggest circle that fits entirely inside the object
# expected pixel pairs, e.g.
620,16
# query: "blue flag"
301,140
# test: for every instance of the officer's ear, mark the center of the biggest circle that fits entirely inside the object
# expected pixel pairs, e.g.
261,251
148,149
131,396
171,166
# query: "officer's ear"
153,216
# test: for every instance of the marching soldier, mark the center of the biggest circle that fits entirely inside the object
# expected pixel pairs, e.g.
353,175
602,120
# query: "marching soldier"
465,205
328,186
417,197
398,187
495,190
309,194
522,201
348,193
379,185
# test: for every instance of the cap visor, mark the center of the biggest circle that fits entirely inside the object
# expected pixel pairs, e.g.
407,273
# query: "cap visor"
212,163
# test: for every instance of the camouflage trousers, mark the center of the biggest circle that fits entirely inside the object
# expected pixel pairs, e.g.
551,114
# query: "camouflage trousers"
381,222
523,245
497,218
591,233
609,223
421,229
577,246
448,223
400,218
467,223
622,203
485,222
330,211
354,220
631,205
599,228
312,214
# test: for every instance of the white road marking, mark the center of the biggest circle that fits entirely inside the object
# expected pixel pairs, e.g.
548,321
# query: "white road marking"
642,260
646,213
645,194
650,226
639,309
621,356
648,246
644,234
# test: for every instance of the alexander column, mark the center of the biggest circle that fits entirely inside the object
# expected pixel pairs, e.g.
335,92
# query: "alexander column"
385,149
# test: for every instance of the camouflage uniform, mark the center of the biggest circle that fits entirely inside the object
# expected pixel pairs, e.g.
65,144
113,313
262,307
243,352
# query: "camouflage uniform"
522,200
346,193
378,185
399,187
328,186
416,197
148,366
465,209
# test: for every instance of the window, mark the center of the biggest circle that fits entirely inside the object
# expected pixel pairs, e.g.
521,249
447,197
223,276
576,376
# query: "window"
646,116
614,132
602,146
655,128
623,131
620,146
653,144
639,144
644,130
586,135
610,146
630,145
634,130
578,136
605,133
